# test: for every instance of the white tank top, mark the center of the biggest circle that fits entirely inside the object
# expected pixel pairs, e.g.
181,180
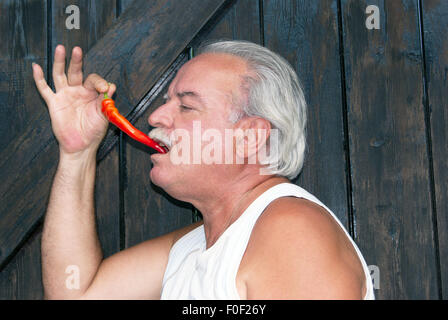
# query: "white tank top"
194,272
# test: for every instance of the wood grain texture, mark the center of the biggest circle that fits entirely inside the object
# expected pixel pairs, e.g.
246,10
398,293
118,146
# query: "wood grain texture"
96,18
24,169
306,34
389,160
237,20
21,279
124,4
435,23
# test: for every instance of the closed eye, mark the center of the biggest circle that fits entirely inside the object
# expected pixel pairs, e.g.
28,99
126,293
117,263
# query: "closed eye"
184,108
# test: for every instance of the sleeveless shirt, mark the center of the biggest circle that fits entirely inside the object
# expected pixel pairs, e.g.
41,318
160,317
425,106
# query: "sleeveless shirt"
194,272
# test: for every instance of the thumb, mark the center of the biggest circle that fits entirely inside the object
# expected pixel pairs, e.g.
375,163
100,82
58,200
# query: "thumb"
42,86
111,90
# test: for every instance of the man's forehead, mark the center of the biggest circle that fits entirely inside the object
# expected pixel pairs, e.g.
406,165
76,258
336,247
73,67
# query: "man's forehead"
209,70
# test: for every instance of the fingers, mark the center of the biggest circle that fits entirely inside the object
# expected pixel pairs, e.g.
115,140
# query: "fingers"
44,90
75,68
111,90
95,82
59,77
75,75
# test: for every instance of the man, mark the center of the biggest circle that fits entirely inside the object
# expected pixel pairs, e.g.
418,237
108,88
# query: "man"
261,236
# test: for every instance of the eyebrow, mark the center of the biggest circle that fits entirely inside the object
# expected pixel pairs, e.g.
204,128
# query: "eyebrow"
191,94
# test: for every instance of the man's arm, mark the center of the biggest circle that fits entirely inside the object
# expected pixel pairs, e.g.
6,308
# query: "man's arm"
137,272
297,251
69,238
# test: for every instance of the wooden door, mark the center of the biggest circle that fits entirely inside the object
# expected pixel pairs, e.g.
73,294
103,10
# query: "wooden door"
377,137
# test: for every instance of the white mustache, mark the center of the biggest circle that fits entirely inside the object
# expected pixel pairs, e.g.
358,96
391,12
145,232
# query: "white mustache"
159,135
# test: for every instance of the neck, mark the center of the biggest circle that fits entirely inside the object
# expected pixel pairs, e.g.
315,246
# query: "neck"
226,204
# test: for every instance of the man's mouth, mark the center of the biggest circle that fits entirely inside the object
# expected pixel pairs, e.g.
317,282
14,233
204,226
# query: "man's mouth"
164,146
161,138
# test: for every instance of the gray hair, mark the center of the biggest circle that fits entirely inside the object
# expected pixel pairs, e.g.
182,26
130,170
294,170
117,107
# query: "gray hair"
274,93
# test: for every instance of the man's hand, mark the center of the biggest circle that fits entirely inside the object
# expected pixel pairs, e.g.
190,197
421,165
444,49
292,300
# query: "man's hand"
75,108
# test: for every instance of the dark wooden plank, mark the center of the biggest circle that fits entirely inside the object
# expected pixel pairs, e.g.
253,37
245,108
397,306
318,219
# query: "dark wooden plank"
39,178
107,203
124,4
23,29
23,32
238,20
435,22
306,33
132,54
96,18
389,161
17,284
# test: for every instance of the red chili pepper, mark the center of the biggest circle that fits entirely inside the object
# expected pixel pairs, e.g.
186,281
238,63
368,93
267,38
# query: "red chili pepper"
112,114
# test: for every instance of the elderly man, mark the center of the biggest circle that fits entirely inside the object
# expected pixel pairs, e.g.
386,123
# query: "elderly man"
261,236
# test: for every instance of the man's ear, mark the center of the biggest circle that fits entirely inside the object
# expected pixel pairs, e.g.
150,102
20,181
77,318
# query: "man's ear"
251,135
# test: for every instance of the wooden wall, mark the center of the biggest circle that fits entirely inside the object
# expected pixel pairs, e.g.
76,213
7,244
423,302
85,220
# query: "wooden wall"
377,135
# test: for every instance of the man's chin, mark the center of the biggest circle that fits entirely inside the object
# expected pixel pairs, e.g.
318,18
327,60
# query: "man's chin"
163,183
155,177
160,178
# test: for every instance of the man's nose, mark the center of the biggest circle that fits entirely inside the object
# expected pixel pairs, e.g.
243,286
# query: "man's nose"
161,117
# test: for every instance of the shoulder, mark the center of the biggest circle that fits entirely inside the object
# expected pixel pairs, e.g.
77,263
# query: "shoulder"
294,214
300,222
297,250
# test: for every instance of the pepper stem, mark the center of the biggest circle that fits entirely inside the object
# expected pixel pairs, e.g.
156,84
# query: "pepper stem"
106,96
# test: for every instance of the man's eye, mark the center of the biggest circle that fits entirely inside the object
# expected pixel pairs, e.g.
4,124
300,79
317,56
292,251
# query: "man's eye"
185,108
